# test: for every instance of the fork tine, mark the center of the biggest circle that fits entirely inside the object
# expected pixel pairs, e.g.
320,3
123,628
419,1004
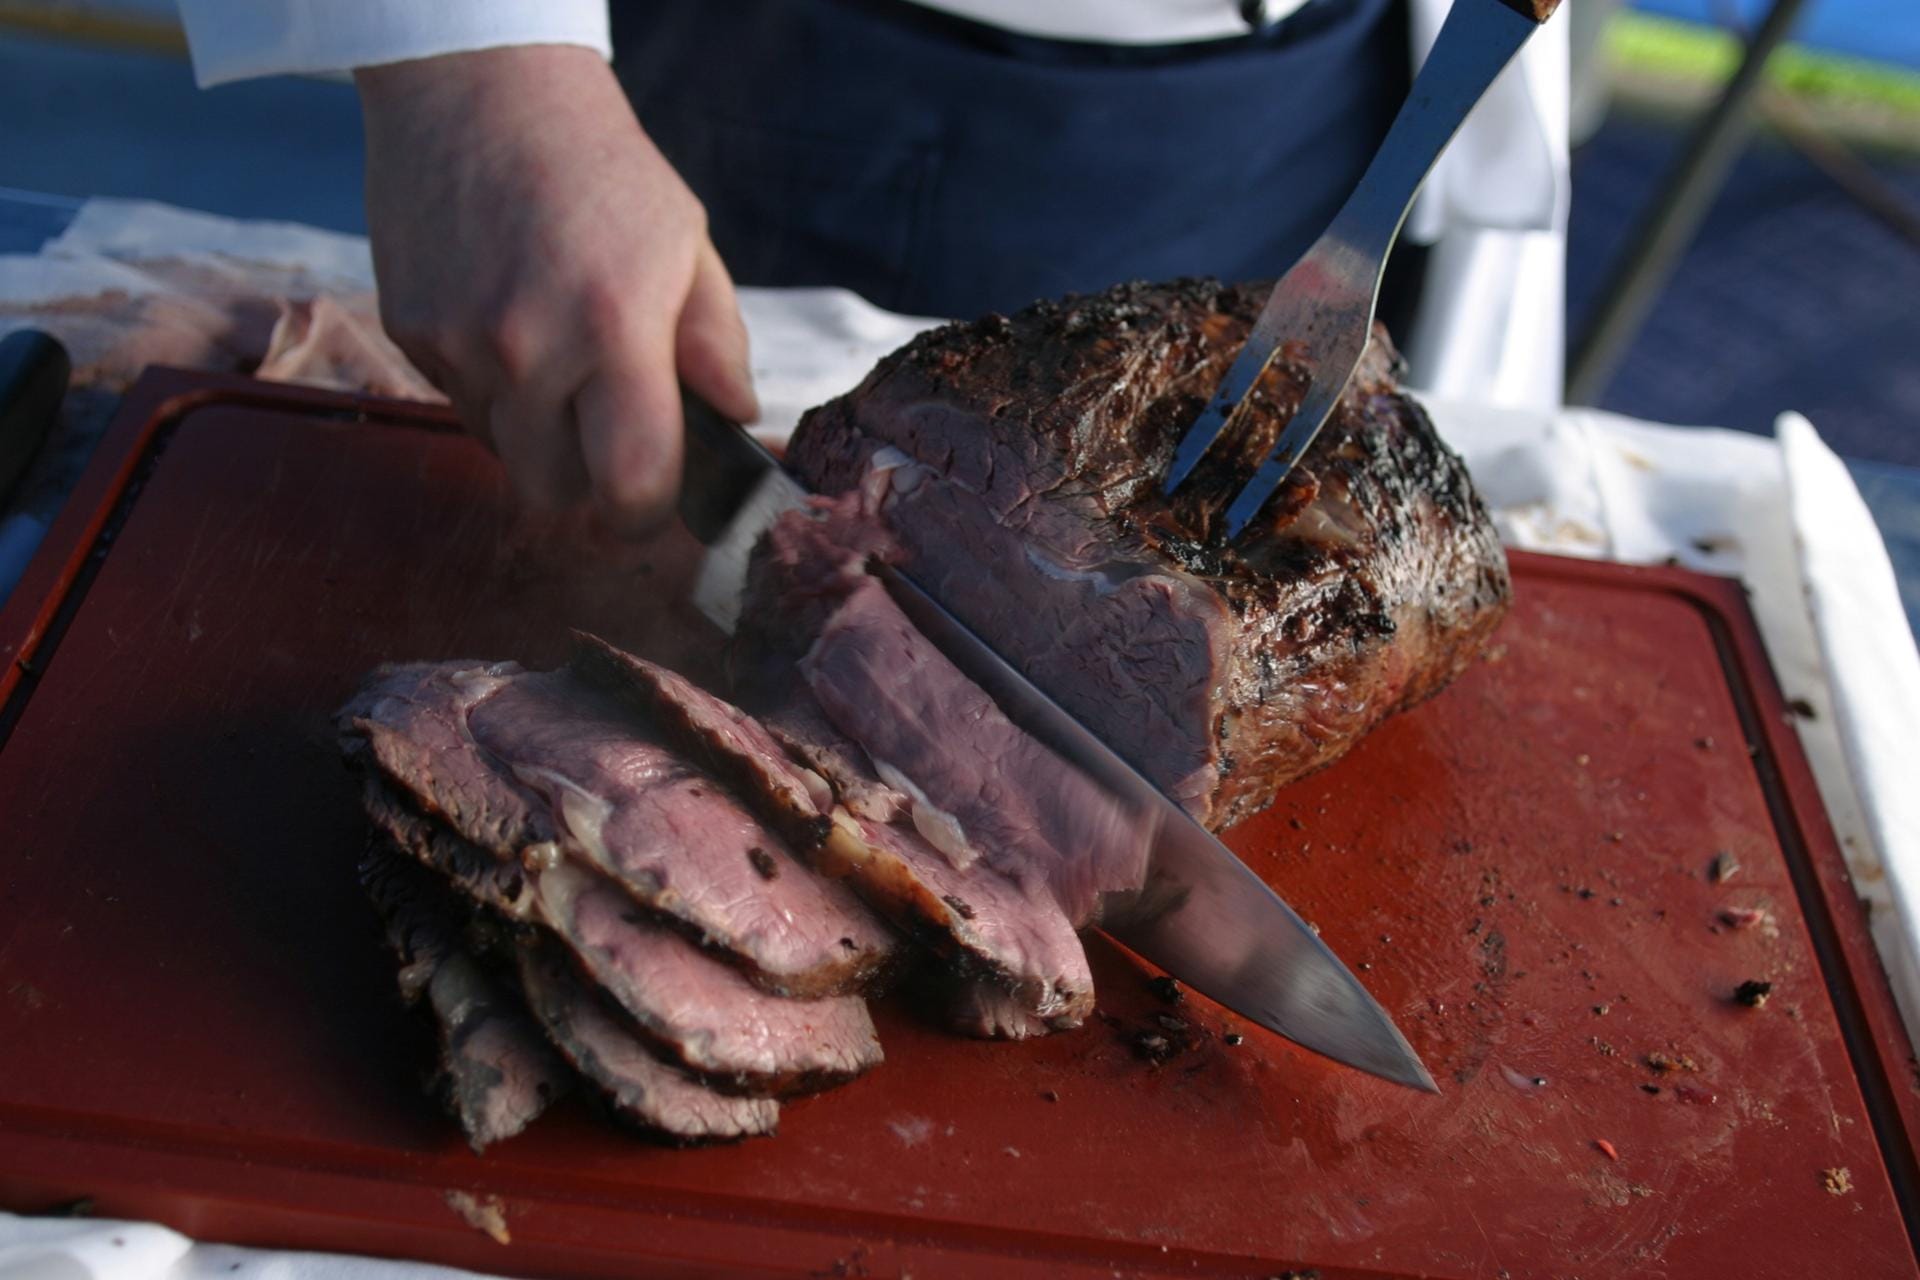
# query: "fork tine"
1325,302
1218,417
1314,409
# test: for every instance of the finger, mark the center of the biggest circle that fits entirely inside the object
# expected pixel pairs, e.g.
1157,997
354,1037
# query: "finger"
711,341
531,427
628,415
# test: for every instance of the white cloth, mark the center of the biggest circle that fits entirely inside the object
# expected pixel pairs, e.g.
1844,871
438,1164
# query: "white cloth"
236,39
1131,22
1783,515
240,39
90,1249
1491,325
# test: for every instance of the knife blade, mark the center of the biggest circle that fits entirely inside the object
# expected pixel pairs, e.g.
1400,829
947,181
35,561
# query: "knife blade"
1202,915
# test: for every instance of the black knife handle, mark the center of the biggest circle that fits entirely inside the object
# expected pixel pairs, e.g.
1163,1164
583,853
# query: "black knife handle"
724,465
33,379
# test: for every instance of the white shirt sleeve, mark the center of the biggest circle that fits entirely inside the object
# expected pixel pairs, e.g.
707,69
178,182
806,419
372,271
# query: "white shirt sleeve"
238,39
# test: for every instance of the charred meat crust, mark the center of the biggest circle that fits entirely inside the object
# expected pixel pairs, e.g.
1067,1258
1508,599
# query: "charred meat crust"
1373,579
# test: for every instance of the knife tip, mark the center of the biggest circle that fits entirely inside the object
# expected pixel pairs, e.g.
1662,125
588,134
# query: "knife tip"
1423,1079
1404,1068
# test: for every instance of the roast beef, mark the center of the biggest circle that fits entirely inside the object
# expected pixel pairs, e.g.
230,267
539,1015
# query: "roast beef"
604,1049
981,789
705,1015
526,764
690,1008
987,925
990,930
1018,462
496,1072
718,734
989,1012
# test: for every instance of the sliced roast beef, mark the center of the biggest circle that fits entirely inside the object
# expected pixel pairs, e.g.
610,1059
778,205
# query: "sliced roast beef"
983,923
411,720
504,887
497,1073
706,1016
526,764
679,842
604,1049
980,1009
1018,463
795,719
721,736
993,932
694,1010
974,785
981,787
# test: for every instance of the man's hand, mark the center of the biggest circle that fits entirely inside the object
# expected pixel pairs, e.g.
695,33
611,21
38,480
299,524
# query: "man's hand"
541,261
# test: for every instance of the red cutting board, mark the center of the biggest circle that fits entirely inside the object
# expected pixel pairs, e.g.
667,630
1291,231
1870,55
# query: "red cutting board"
198,1023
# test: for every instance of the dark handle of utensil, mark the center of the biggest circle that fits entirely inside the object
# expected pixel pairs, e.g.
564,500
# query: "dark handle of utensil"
1536,10
33,379
729,461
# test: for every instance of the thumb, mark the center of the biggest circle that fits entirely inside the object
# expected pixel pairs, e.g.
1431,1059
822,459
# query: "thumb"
711,343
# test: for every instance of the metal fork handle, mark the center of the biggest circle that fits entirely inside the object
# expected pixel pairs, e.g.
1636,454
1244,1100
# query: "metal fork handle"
1476,42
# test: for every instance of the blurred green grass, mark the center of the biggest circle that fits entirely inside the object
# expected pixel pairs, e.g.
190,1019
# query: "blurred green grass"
1641,44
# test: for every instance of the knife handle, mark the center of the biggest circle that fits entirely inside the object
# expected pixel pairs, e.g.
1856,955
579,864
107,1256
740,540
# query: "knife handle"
1533,10
724,465
33,380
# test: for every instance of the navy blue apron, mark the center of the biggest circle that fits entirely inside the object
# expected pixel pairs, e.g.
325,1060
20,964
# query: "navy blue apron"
941,167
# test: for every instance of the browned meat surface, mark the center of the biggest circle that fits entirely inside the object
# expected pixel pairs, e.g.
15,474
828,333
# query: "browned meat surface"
496,1072
525,765
1017,460
604,1049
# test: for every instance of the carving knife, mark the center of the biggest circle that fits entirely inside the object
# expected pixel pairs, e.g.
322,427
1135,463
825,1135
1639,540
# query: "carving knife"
1202,915
1322,309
